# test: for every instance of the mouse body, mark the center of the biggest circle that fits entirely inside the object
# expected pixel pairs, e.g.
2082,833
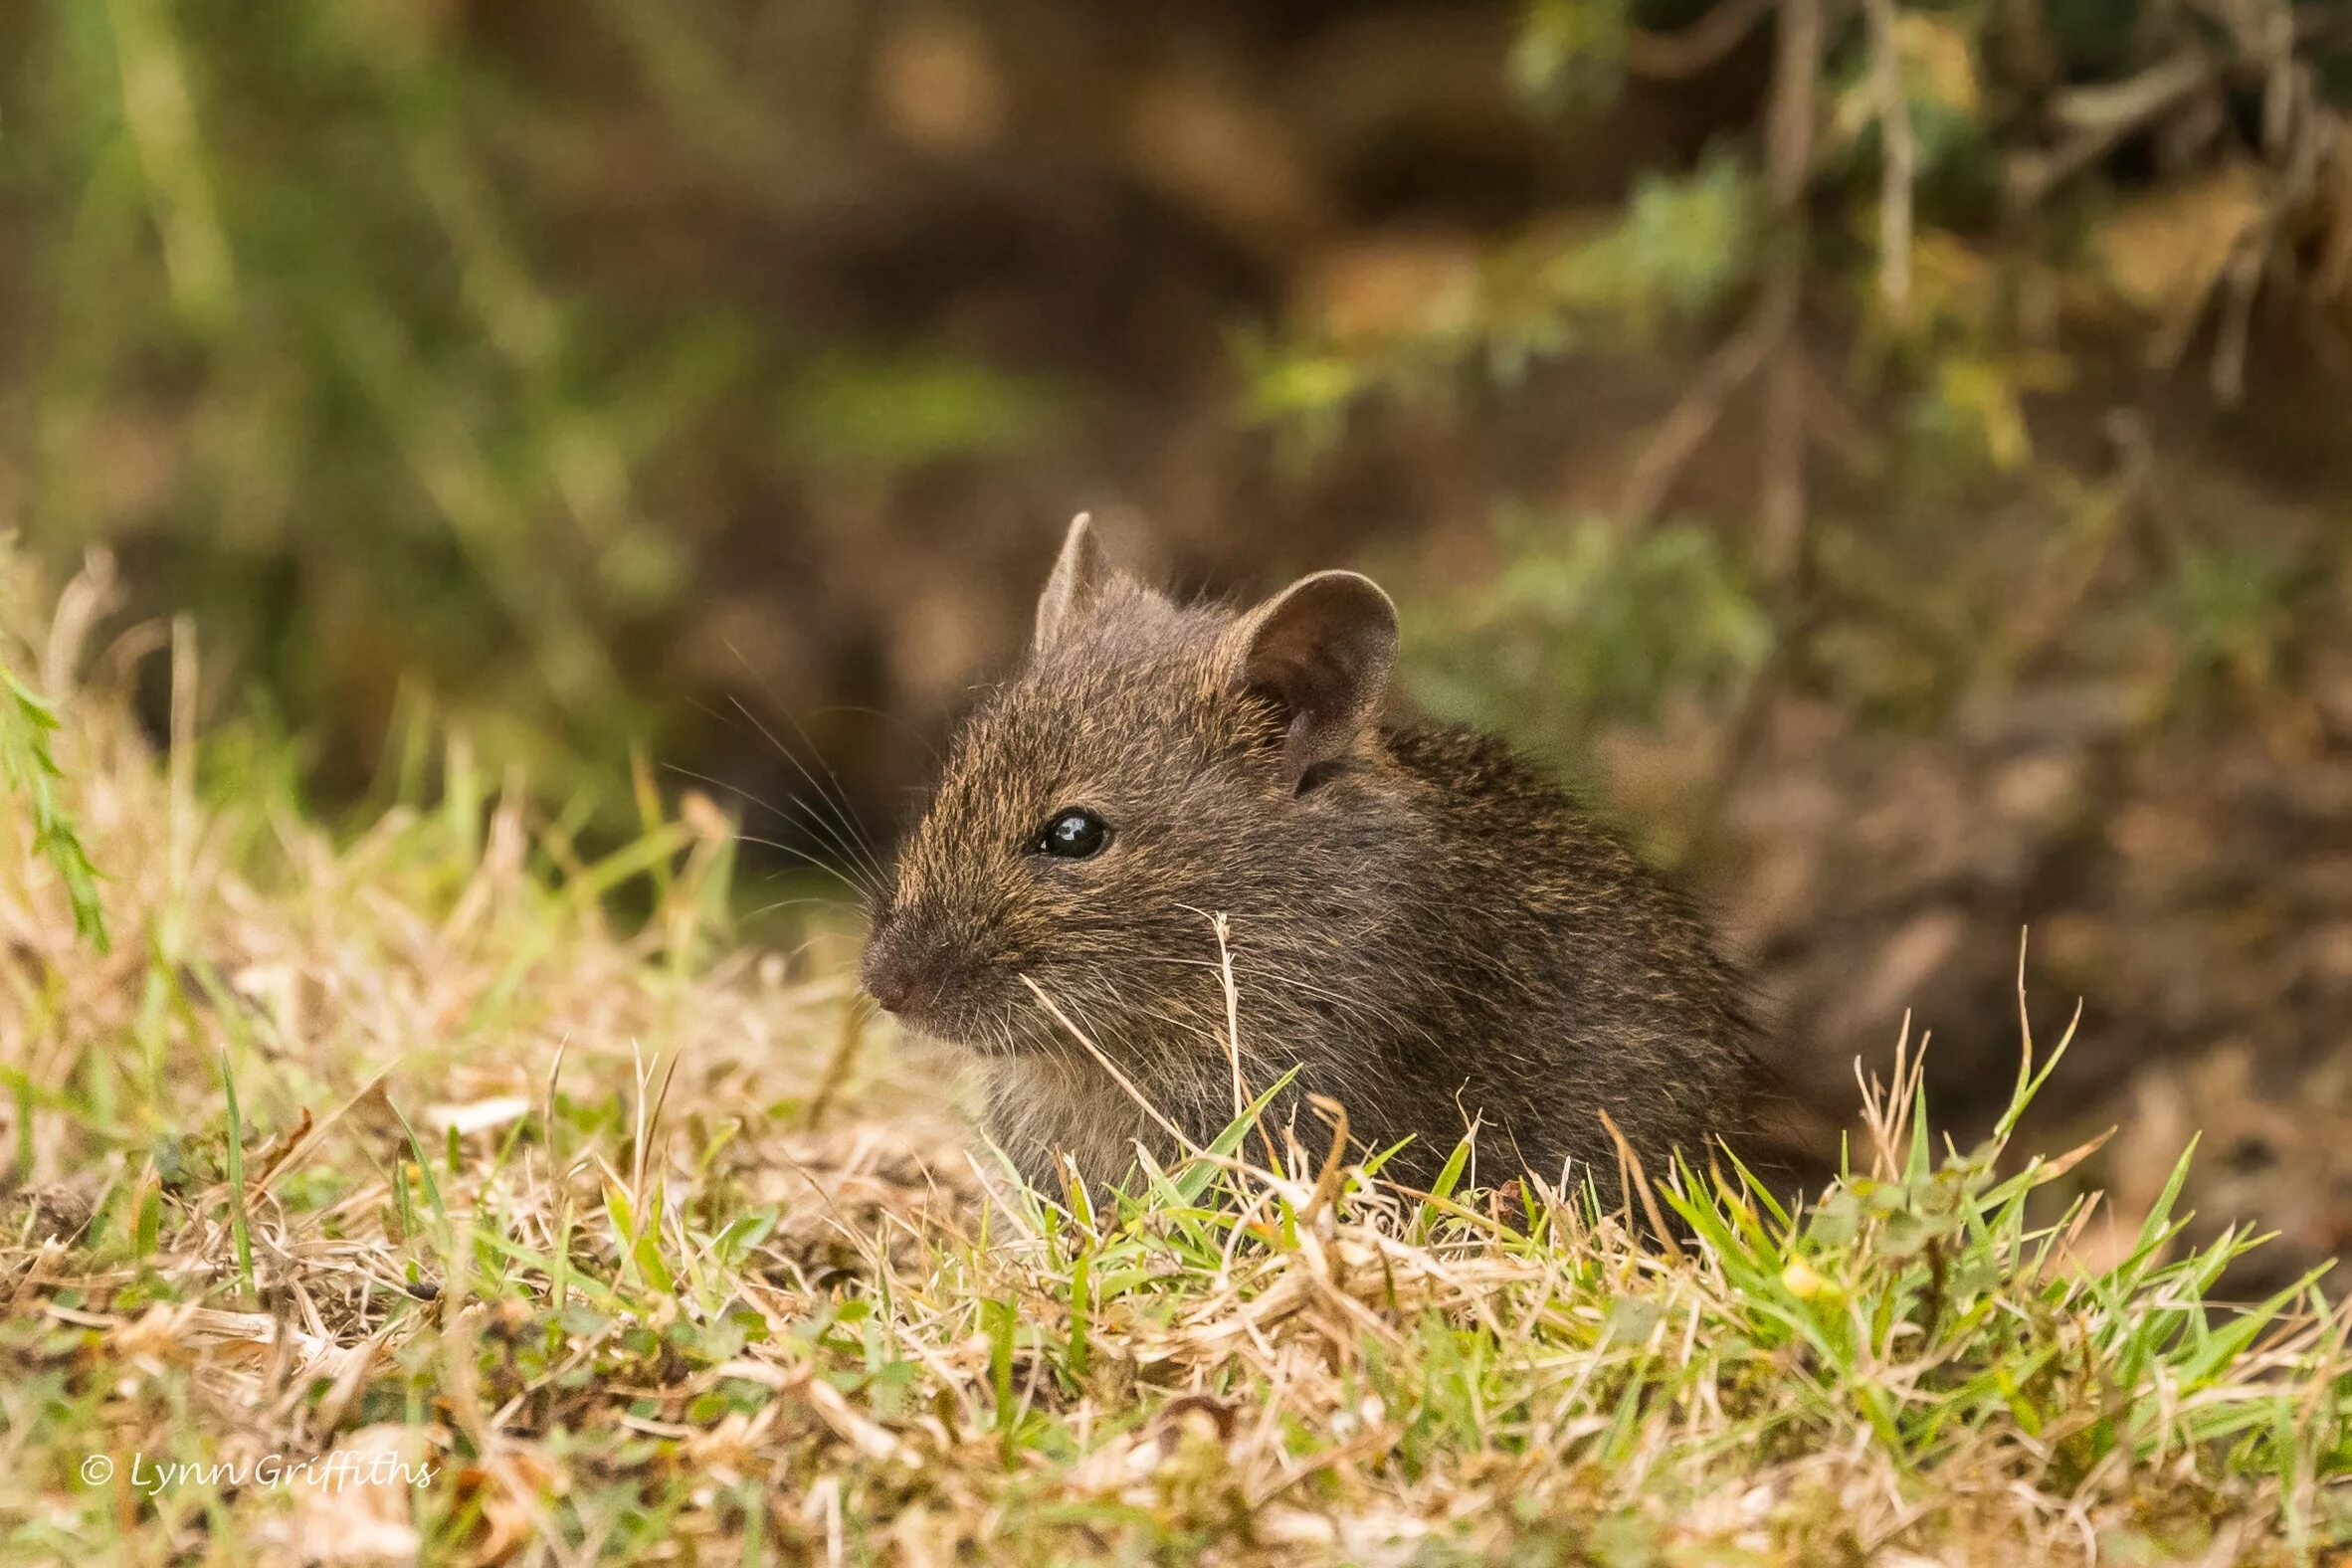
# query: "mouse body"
1417,922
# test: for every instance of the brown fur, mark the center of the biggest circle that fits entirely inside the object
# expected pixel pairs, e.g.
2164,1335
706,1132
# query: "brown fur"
1427,929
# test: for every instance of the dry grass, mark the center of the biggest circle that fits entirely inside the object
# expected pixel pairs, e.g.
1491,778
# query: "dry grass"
395,1145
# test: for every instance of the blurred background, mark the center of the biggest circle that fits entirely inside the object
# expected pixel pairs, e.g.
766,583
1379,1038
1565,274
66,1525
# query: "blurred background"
1899,456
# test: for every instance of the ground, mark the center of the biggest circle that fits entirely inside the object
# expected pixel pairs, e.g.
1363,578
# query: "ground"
384,1194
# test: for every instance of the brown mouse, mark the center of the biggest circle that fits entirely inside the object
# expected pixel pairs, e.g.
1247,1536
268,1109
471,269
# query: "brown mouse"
1419,924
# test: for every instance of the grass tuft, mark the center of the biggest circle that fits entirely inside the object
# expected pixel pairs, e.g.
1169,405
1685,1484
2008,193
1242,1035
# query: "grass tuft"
30,771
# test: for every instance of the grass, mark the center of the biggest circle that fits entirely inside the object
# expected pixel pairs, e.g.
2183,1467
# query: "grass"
383,1196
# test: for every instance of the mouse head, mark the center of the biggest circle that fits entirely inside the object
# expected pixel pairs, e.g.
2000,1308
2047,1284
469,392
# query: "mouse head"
1150,766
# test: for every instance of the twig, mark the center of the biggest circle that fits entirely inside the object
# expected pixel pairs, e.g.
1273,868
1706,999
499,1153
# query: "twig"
1638,1180
1796,81
1789,171
2241,282
1698,410
1775,339
1899,158
1666,57
2102,116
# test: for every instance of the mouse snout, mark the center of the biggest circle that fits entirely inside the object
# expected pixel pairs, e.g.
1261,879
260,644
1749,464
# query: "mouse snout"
903,967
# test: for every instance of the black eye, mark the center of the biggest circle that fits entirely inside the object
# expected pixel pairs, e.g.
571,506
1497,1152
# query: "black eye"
1073,835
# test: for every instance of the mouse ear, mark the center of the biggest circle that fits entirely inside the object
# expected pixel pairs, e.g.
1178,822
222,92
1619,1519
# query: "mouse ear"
1077,575
1320,651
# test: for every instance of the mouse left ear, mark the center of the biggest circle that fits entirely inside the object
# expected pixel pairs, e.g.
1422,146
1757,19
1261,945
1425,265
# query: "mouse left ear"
1321,651
1077,575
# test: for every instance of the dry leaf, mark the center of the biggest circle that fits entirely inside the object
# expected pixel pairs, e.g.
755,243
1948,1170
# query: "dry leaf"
479,1115
2162,251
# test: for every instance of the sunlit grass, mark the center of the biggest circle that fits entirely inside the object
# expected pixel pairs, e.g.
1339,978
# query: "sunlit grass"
395,1142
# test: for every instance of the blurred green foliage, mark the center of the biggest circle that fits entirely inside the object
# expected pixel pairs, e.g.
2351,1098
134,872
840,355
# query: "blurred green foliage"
28,767
902,412
290,336
1586,623
1571,52
1977,206
2230,606
324,327
1682,247
338,324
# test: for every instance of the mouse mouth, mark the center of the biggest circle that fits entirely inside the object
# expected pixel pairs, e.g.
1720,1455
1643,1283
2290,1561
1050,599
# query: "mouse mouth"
999,1027
986,1009
954,1021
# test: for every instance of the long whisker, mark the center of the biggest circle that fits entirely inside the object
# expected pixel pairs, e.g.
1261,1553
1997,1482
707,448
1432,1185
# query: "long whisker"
893,720
848,812
828,823
788,903
840,832
812,861
866,883
839,806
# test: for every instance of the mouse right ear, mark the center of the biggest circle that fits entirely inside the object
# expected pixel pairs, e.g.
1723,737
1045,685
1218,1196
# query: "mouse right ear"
1321,652
1077,575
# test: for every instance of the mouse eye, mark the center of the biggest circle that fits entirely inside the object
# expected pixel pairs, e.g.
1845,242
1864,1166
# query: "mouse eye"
1073,834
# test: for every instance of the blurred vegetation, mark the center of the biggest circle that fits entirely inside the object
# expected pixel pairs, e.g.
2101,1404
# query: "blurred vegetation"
287,338
28,768
592,404
1585,623
1939,218
302,326
354,330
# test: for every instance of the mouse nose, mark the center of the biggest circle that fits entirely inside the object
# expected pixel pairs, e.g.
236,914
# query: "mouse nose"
894,971
887,981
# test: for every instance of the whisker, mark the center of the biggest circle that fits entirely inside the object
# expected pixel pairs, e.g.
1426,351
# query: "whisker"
839,807
866,884
812,861
893,720
788,903
845,843
842,796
